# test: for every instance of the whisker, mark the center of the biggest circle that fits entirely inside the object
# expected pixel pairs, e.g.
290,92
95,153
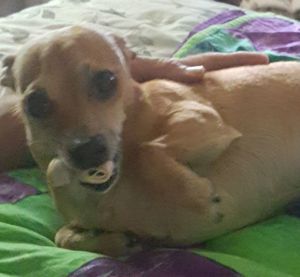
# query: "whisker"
16,110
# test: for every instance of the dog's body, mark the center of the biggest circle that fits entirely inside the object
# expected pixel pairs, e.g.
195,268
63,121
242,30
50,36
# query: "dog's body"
159,195
197,161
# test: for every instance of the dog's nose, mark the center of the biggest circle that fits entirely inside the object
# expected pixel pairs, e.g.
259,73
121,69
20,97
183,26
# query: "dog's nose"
91,153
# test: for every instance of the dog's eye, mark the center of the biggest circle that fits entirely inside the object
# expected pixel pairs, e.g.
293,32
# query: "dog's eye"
37,104
105,84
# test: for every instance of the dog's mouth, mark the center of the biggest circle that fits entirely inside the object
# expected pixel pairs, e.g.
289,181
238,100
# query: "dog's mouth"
101,186
101,178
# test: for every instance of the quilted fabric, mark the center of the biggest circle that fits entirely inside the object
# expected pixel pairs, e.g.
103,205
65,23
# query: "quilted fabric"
28,220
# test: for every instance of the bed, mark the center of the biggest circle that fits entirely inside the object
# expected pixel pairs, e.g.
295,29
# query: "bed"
160,28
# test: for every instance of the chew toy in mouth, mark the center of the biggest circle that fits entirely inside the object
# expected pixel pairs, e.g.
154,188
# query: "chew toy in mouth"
99,178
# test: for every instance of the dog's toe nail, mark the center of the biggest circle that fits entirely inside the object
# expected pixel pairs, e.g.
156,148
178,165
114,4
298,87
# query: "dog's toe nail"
216,199
96,232
132,240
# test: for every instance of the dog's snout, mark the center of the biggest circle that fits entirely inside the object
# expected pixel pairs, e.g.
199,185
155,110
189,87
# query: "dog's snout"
91,153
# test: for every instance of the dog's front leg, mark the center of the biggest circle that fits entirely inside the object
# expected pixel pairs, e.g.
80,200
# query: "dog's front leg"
175,182
69,198
107,243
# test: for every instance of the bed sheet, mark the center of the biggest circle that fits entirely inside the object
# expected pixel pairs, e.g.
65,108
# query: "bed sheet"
152,28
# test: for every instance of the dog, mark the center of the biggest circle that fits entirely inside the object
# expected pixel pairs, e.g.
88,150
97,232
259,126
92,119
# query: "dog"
160,163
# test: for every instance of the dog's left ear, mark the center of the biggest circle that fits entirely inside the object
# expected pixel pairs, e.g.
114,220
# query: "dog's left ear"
128,54
7,78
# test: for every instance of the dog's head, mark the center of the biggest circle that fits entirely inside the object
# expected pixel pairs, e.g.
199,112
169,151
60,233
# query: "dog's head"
74,85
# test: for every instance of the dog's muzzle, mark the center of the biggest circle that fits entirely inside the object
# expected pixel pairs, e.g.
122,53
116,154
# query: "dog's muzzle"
92,159
90,153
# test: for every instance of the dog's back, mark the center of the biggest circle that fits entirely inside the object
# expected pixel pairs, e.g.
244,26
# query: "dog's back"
258,172
261,169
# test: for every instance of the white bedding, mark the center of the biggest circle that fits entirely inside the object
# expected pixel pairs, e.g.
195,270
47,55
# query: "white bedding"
152,28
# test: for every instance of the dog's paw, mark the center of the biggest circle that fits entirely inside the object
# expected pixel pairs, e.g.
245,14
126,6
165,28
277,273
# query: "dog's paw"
107,243
217,214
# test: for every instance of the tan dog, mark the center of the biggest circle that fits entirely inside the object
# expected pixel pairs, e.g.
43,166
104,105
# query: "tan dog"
163,162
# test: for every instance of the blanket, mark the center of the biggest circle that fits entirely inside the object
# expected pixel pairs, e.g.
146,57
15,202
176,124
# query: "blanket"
289,8
28,220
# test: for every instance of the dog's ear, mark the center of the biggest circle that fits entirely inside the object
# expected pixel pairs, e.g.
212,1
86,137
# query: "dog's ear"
7,78
128,54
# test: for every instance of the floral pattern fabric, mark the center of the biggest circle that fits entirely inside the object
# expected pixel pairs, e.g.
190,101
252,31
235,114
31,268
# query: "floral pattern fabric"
152,28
